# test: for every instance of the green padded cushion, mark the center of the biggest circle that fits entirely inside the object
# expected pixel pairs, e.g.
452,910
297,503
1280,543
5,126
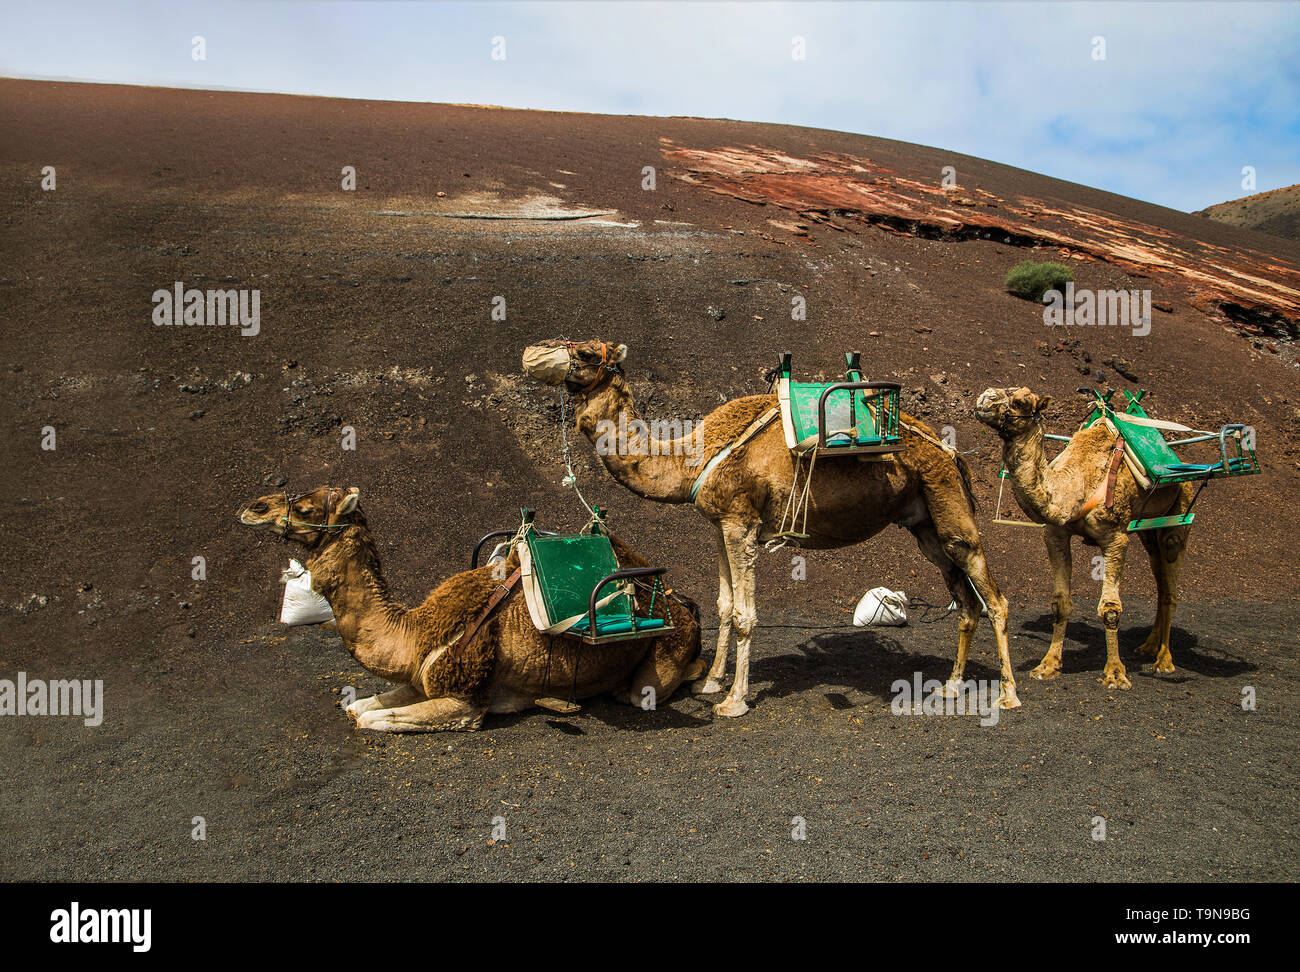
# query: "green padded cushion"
804,397
620,625
568,568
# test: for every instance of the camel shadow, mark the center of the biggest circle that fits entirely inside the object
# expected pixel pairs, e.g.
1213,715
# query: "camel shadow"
1085,649
678,712
864,660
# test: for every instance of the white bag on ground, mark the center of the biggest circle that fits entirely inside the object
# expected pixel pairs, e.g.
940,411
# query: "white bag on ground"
881,607
302,605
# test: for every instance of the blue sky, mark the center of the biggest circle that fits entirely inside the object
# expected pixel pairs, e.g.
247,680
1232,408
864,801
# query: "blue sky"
1187,95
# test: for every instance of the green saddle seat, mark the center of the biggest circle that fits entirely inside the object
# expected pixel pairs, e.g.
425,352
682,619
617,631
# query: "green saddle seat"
619,625
857,419
561,574
1149,447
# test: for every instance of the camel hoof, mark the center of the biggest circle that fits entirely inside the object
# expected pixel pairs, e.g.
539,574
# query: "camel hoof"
1009,700
1117,680
1165,667
706,686
693,671
731,708
1044,672
951,689
360,706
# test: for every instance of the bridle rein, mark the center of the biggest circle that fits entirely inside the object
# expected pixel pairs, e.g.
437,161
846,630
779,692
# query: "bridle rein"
283,523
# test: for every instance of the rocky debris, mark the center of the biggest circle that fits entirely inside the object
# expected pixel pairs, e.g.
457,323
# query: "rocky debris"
1123,367
798,229
717,313
32,602
203,386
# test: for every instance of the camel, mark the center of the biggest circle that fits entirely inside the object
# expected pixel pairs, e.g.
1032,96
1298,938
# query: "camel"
443,684
1068,497
924,488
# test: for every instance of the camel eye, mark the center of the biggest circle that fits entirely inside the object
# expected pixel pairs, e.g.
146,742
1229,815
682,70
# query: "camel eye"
258,507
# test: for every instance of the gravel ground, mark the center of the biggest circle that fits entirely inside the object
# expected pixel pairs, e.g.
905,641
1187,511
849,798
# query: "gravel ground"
1191,786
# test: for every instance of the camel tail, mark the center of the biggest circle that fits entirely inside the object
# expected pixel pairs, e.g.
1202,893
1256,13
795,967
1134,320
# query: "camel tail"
963,469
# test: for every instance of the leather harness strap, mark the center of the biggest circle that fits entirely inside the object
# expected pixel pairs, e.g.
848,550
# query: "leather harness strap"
1104,494
1116,457
499,596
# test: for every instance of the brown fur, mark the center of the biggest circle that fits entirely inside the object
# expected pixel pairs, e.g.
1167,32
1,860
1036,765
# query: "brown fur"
1068,497
924,487
504,667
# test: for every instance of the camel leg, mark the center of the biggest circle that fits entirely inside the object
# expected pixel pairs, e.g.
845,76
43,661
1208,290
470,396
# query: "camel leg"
968,615
431,715
1109,608
1166,552
1058,554
1151,541
403,695
961,544
742,551
713,681
664,668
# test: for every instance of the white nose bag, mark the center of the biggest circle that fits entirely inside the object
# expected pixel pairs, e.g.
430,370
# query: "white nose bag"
302,605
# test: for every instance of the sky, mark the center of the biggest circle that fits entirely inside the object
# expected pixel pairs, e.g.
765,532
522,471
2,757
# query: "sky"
1186,96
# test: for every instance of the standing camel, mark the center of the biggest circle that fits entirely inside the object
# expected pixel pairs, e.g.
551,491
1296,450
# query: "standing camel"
923,488
446,682
1068,496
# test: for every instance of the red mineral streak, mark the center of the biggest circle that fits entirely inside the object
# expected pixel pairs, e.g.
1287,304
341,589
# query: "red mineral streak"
844,192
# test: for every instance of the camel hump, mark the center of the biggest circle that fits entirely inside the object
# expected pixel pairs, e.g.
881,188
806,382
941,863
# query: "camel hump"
727,422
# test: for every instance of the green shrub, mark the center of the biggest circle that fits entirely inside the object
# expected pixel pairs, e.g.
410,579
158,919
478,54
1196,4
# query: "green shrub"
1031,280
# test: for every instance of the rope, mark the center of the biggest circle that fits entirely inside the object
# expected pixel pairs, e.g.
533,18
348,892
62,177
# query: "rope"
570,480
793,508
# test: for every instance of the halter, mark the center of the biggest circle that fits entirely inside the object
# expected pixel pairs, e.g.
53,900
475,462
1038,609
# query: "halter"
284,522
605,366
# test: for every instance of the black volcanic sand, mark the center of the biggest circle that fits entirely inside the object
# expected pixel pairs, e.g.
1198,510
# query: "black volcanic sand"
1191,786
376,315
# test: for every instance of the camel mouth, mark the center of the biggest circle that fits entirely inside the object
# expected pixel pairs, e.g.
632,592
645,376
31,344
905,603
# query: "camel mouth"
255,514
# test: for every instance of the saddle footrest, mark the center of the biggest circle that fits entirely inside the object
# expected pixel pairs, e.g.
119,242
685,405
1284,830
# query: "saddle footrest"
1159,522
559,706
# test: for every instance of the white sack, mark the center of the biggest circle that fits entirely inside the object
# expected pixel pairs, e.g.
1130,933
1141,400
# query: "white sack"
881,607
302,605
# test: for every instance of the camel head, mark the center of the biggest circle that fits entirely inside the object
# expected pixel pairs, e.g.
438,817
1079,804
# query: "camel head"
1010,412
581,367
305,518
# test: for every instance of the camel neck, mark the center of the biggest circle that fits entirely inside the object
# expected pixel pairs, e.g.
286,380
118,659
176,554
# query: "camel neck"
646,457
346,572
1026,464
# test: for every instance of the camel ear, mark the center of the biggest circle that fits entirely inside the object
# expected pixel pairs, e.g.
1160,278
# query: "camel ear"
349,502
618,354
1043,402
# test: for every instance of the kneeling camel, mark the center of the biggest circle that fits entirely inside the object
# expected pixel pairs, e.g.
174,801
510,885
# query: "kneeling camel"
445,684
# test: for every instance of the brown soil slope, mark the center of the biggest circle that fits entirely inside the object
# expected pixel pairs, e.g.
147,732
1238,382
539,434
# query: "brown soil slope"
376,314
1276,211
